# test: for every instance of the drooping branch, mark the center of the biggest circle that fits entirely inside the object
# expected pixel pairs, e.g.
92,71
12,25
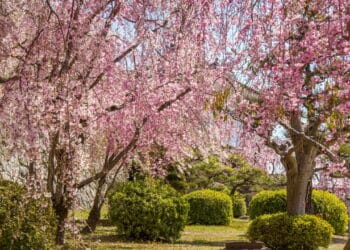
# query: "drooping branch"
111,160
116,60
114,158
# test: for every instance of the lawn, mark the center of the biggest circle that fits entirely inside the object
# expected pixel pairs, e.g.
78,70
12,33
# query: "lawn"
193,237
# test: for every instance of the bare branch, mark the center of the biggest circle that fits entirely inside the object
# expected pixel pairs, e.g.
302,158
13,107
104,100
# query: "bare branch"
117,59
8,79
324,149
170,102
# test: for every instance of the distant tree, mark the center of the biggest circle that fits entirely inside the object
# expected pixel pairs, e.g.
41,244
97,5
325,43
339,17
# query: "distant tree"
232,174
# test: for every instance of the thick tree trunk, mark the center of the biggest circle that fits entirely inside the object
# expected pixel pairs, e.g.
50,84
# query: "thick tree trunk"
299,167
296,194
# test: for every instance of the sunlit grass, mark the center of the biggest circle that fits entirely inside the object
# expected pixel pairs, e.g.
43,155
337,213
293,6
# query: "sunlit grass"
193,237
82,214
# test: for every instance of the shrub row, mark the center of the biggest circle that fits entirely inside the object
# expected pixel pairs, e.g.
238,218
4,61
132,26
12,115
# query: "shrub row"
149,210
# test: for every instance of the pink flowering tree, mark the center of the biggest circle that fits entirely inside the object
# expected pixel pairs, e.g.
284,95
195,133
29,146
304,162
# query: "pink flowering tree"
295,80
78,76
107,77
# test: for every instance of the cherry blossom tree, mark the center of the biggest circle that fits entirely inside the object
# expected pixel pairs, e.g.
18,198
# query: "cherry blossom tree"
295,82
78,74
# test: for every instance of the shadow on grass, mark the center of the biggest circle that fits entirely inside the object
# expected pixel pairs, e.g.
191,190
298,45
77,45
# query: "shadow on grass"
121,239
200,243
339,240
107,238
104,223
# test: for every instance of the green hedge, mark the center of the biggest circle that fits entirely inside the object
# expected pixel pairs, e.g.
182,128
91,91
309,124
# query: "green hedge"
332,209
239,205
326,205
148,210
268,202
209,207
281,231
25,223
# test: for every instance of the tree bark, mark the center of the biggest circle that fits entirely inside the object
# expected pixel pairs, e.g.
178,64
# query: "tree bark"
309,208
347,246
61,200
62,213
99,200
95,212
297,186
299,165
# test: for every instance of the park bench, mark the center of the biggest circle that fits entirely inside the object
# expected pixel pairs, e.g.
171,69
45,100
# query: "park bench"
243,245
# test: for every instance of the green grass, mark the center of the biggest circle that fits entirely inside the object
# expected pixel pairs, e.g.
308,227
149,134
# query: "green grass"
194,237
82,214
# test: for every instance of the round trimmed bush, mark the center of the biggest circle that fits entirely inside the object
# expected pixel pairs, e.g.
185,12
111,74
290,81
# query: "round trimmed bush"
330,208
325,205
25,223
268,202
148,210
209,207
239,205
281,231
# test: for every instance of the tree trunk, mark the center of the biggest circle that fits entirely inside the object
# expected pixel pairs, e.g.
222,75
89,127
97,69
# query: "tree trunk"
62,214
309,208
100,197
61,200
296,194
94,215
299,174
347,246
95,212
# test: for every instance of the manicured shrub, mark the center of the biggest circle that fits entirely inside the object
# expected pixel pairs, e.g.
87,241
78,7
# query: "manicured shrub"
268,202
330,208
281,231
25,223
148,210
325,205
239,205
209,207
